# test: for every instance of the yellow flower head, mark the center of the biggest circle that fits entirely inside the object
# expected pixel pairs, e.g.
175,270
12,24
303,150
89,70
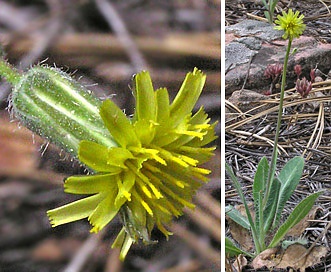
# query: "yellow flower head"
291,23
153,172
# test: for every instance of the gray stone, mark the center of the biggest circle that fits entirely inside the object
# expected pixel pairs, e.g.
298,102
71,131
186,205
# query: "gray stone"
260,30
251,42
259,41
236,54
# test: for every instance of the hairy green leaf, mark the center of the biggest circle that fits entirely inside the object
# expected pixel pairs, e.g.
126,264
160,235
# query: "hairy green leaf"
248,213
289,178
260,180
231,250
300,211
272,202
273,5
237,217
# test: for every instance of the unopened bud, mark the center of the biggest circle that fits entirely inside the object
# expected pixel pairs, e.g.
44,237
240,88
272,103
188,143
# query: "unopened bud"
303,87
312,75
298,70
273,71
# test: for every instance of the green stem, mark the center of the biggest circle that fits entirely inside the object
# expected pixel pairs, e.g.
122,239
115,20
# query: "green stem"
279,119
9,72
271,15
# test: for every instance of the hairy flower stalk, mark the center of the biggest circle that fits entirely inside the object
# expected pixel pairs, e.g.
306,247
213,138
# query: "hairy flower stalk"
145,168
293,26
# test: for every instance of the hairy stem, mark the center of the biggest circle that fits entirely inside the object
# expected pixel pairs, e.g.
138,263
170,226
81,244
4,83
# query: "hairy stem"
279,119
9,72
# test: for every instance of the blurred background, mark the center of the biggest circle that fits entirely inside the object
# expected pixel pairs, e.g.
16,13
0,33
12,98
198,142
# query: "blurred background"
103,43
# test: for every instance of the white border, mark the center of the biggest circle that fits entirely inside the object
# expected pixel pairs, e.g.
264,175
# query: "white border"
222,143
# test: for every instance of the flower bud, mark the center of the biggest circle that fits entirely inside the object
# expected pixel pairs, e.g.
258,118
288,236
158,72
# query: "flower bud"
53,105
303,87
298,70
273,71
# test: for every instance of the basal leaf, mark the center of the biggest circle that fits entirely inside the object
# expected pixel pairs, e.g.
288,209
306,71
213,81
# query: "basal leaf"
248,213
231,250
260,180
273,5
299,212
272,202
237,217
289,178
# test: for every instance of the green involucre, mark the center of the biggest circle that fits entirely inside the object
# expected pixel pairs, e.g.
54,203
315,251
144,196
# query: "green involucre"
53,105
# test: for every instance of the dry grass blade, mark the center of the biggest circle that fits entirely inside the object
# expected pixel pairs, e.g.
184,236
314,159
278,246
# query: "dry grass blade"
320,127
287,104
270,142
325,5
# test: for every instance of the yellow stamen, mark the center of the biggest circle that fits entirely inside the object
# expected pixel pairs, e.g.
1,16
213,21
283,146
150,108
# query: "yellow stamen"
201,170
156,192
144,204
147,208
200,126
166,176
172,208
176,197
162,208
169,156
152,152
196,150
144,189
200,177
127,195
192,133
142,177
189,160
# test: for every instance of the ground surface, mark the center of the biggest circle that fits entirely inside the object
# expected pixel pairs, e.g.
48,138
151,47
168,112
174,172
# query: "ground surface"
251,115
169,38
